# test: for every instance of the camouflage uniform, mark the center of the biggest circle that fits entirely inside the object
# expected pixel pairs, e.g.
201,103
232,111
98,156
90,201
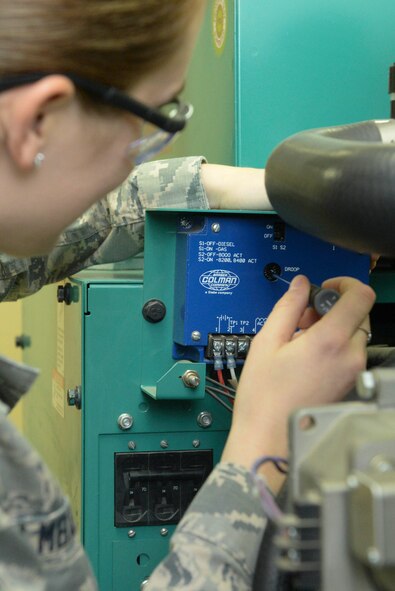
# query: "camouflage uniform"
112,229
39,548
215,546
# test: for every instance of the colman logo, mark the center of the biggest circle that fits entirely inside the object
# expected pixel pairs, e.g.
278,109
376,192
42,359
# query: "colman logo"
219,280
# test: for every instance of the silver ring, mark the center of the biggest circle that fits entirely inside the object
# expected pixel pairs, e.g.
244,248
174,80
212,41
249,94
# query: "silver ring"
368,334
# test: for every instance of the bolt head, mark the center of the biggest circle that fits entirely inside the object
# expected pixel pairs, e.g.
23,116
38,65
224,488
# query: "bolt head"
164,444
164,531
366,385
374,556
352,481
196,443
196,336
215,227
125,421
204,419
131,533
191,379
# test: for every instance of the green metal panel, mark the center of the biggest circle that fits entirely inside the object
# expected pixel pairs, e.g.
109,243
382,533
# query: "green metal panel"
383,284
210,88
53,427
308,64
119,566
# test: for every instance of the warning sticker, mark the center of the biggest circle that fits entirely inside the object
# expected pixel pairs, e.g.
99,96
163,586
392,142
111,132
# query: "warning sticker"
220,21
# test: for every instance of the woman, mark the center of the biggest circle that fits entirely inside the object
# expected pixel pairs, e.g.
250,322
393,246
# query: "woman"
78,79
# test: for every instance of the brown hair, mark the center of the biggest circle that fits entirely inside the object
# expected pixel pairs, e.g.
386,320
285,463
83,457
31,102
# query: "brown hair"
111,41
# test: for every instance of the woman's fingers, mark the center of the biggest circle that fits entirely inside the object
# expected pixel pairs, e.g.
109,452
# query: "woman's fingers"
285,317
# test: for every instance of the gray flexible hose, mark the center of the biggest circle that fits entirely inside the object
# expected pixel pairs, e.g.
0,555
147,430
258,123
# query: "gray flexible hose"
338,184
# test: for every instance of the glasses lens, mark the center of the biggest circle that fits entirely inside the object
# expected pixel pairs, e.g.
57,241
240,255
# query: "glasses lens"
177,110
146,147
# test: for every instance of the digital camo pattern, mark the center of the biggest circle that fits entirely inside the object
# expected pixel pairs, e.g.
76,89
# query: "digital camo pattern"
111,230
216,544
40,550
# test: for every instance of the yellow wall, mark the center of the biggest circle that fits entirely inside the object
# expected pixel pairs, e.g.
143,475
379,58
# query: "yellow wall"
11,326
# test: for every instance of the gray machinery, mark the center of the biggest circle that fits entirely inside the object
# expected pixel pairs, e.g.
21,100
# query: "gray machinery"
337,530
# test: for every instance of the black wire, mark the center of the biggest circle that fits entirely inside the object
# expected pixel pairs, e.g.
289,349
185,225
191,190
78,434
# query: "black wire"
222,386
218,399
280,468
276,461
220,391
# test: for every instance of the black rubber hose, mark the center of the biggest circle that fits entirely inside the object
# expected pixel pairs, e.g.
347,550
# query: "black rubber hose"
337,184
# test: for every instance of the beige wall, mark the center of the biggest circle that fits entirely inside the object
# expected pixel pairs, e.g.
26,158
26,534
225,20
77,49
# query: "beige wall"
11,326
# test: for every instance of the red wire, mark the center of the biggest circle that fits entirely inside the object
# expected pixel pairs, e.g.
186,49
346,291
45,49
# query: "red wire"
222,381
221,377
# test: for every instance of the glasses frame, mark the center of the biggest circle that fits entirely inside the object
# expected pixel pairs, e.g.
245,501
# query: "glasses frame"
110,96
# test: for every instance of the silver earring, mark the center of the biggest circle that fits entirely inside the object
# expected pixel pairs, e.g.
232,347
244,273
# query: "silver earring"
38,159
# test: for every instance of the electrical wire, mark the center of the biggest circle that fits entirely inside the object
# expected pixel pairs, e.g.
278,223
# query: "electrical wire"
221,391
230,388
218,399
233,375
270,507
221,377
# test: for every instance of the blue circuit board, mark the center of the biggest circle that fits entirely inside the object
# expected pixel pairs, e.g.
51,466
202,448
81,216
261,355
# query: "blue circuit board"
221,281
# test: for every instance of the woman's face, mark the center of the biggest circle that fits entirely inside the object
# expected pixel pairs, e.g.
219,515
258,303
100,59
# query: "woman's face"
85,157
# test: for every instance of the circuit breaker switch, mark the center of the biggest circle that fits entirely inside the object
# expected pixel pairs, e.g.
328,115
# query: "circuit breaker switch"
191,379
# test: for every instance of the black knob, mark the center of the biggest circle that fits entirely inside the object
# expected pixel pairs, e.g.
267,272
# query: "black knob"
22,341
154,311
64,294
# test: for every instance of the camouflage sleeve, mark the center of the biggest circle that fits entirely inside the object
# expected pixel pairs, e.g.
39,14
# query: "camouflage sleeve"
215,546
111,230
40,546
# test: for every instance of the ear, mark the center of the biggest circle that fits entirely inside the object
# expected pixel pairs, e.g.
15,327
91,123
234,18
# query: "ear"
25,114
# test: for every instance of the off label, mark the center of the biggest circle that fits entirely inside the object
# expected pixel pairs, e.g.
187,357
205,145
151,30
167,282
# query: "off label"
220,21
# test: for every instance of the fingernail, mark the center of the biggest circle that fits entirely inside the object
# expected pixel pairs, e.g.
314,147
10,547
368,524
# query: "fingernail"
297,282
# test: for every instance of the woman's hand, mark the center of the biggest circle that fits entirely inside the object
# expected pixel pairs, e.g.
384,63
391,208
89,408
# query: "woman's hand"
286,369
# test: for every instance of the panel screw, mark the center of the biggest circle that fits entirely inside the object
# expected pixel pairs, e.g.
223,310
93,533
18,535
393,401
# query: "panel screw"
73,396
64,294
125,421
293,555
204,419
164,531
196,336
215,227
22,341
164,444
132,445
131,533
292,532
353,481
191,378
196,443
366,385
373,555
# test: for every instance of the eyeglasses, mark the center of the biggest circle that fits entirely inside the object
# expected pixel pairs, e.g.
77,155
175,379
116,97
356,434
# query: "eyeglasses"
171,118
149,144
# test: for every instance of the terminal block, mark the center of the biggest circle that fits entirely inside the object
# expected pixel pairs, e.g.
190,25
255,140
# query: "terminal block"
236,346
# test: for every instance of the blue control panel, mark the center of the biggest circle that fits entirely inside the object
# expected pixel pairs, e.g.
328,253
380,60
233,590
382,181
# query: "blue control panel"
224,273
